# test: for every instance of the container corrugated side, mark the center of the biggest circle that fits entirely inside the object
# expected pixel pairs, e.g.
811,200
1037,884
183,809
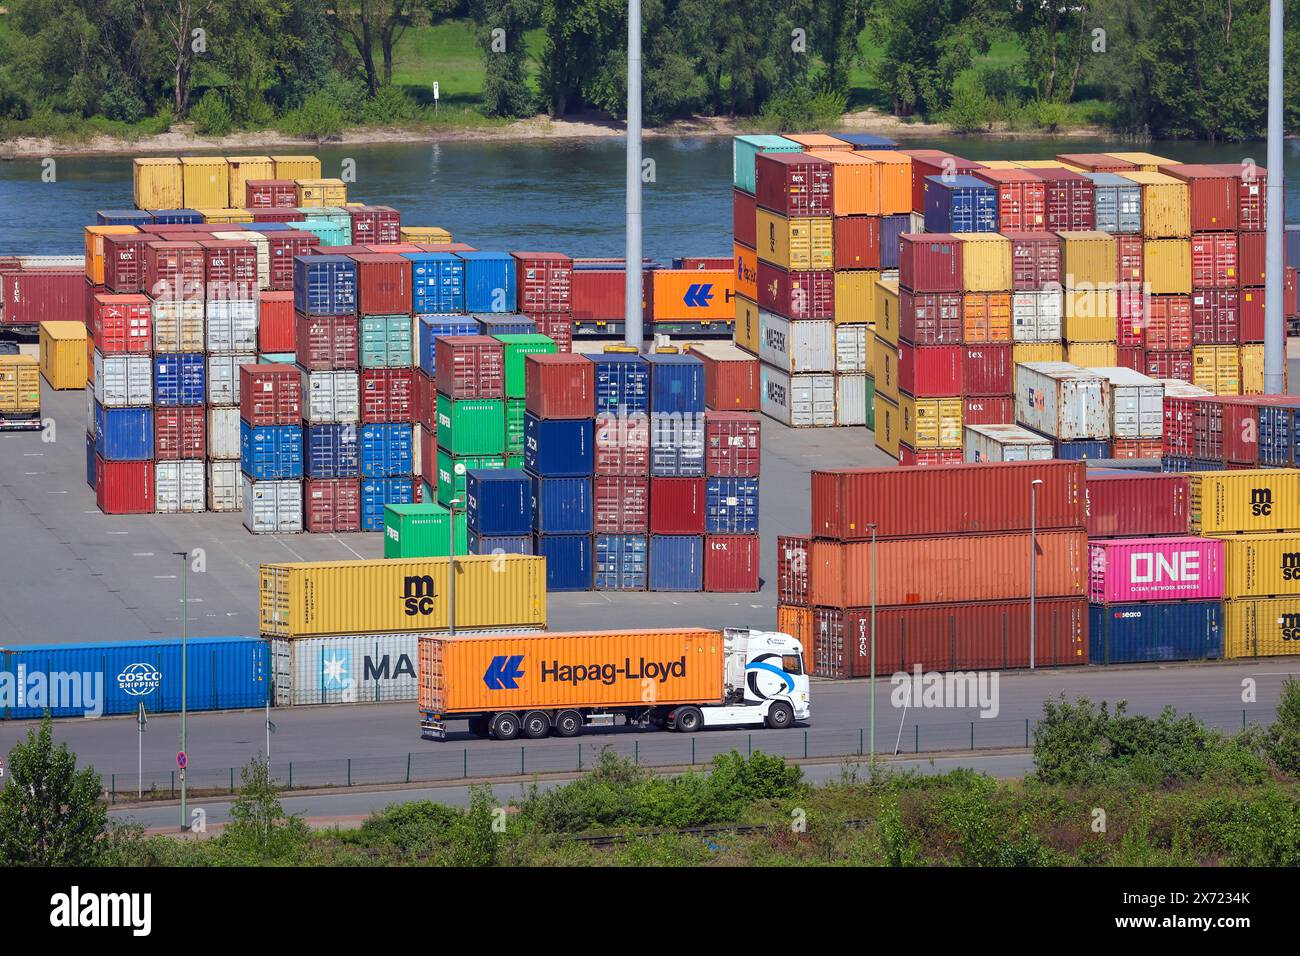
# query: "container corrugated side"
1155,631
1262,565
1267,628
1262,500
1155,569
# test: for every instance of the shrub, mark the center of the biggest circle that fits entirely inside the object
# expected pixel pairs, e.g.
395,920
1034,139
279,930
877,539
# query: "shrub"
970,111
319,117
390,105
211,115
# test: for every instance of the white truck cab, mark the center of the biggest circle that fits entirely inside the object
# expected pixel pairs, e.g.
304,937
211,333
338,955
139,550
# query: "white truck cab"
764,681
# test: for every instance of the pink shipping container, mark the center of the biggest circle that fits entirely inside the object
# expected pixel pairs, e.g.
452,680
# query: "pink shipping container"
796,295
1137,504
544,281
470,366
560,385
927,262
387,395
1035,260
270,394
731,563
792,571
732,444
987,370
933,318
793,184
124,261
931,371
620,504
41,294
1155,569
323,342
622,445
332,505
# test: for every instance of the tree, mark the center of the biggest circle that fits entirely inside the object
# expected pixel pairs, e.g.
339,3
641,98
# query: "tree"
50,813
366,23
506,91
1283,737
179,20
259,829
1056,34
927,43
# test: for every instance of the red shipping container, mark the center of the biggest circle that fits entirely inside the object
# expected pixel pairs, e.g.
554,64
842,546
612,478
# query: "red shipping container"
677,505
970,499
793,184
558,327
1169,323
1131,356
730,378
1291,291
230,262
792,571
281,250
398,248
470,366
270,394
731,563
928,457
733,443
704,263
429,457
325,341
353,250
620,504
1213,194
122,324
934,162
376,224
1179,427
180,433
88,316
424,401
270,194
1138,505
1021,198
986,370
387,395
744,224
332,505
1216,318
544,281
1207,428
1214,260
1132,449
275,215
796,295
123,487
174,266
124,261
1069,201
1129,259
988,411
383,284
931,371
622,444
598,293
1035,260
927,262
1252,258
1251,316
43,293
275,322
933,318
184,231
856,241
558,385
1132,303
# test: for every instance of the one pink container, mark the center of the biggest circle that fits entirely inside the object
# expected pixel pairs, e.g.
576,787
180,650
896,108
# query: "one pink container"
1155,569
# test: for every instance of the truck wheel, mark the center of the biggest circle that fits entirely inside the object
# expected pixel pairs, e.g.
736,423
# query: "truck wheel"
780,715
568,723
536,725
505,726
689,719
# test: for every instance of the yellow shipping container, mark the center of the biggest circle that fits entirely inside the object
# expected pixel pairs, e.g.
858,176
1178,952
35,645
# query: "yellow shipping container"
887,314
869,351
1091,354
317,193
207,182
855,182
931,422
1217,368
20,385
312,598
242,169
855,296
1088,258
1022,352
805,244
1091,316
889,426
1261,628
94,242
895,180
1167,266
985,261
296,167
746,271
1261,565
63,354
158,182
1264,500
1041,164
427,234
1251,358
746,332
885,369
224,215
1000,164
1147,162
1166,205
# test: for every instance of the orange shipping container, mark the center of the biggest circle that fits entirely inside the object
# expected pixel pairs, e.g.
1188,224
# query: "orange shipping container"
798,623
895,179
494,672
946,570
986,316
94,241
746,271
694,295
855,182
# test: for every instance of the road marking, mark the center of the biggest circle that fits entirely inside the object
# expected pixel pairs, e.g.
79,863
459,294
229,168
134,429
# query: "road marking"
290,550
164,577
56,492
142,554
33,472
119,532
95,512
346,545
33,454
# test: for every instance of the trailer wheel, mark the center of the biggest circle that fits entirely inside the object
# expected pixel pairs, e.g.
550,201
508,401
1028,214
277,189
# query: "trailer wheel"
568,723
780,715
536,725
505,726
689,719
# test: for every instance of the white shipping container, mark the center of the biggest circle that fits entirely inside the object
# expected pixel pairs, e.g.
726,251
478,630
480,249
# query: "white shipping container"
417,443
891,275
263,253
1137,403
51,262
232,325
225,483
332,397
180,487
123,380
805,345
223,433
1004,443
223,377
1036,316
1062,400
90,410
177,325
799,401
916,222
273,507
850,399
851,349
1177,388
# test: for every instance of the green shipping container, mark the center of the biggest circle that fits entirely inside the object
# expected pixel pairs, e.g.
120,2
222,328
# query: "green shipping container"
514,461
514,426
420,531
447,470
871,403
516,347
472,426
386,341
745,148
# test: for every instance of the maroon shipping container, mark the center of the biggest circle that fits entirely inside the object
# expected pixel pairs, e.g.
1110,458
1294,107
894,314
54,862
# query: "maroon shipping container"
193,230
558,327
275,322
705,263
792,571
274,215
429,456
988,411
677,505
856,242
1137,505
1131,326
1207,428
1212,193
43,293
733,443
376,224
326,341
559,385
470,366
123,487
931,371
1021,198
1035,260
1252,260
793,184
731,563
387,395
986,370
1131,356
744,224
730,380
1179,415
398,248
1214,260
622,444
270,194
383,284
1169,364
90,292
180,433
270,394
1216,318
230,262
949,637
988,498
928,262
928,457
933,318
124,261
620,504
171,266
1096,162
282,247
122,324
1069,200
1241,425
1250,315
353,250
332,505
934,162
1129,260
1168,323
796,295
424,400
446,247
544,281
598,293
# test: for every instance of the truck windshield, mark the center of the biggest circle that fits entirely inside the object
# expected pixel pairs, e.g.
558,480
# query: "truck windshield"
792,663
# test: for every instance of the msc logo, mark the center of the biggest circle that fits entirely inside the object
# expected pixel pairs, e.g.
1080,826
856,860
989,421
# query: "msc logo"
503,672
698,295
1261,502
1290,627
1291,566
417,594
139,680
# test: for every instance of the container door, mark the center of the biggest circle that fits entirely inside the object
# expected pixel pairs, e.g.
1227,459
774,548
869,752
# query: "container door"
167,487
139,380
1127,414
288,506
823,400
191,487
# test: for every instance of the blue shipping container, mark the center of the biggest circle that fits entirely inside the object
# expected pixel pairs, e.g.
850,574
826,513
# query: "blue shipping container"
221,673
123,434
123,217
437,282
568,561
676,562
676,383
622,383
960,204
867,140
676,445
1156,631
377,492
181,217
270,452
622,562
498,502
90,461
434,326
556,447
265,227
489,281
1082,450
562,505
505,323
1279,431
324,285
1180,463
891,227
180,379
732,505
1293,245
519,544
386,452
332,451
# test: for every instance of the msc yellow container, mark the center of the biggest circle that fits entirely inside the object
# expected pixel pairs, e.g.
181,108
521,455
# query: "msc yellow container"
855,182
855,296
931,422
315,193
158,182
1261,628
63,354
94,241
20,384
1147,162
889,426
887,314
746,333
1022,352
1167,266
296,167
985,261
1091,315
1265,500
1166,205
244,168
804,244
207,182
224,215
428,234
1091,354
1088,258
1217,368
1261,565
885,369
1251,358
308,599
895,179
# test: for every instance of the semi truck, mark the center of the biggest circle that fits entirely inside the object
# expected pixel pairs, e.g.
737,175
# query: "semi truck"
684,679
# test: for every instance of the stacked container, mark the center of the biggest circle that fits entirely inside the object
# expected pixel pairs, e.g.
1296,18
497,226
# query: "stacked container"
120,400
1067,404
1213,432
621,472
469,420
544,284
1137,413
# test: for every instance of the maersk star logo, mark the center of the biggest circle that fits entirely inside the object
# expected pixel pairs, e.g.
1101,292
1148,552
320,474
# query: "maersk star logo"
336,668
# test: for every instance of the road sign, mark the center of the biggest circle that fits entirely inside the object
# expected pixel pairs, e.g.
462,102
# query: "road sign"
182,760
435,89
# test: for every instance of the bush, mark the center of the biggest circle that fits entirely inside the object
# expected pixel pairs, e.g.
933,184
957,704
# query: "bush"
410,828
319,118
211,115
1047,115
390,105
1282,740
970,111
802,107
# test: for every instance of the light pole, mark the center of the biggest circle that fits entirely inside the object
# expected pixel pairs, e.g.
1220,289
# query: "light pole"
872,526
451,565
1275,204
1033,567
185,626
632,333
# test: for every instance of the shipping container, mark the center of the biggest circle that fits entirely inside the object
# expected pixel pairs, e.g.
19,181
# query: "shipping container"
471,426
180,487
568,560
1001,443
327,342
270,394
678,506
560,386
561,505
123,434
180,433
489,281
385,450
731,506
677,445
798,400
891,229
377,494
331,397
63,354
1263,500
1170,364
1217,368
325,285
558,447
956,203
986,370
621,562
796,295
271,452
931,423
122,324
855,296
1063,401
1136,403
158,182
796,346
856,242
987,411
1037,316
120,380
1155,569
332,451
1173,631
273,507
179,379
498,502
1261,628
518,544
225,485
1137,504
36,294
746,148
930,262
793,184
926,371
620,504
986,318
